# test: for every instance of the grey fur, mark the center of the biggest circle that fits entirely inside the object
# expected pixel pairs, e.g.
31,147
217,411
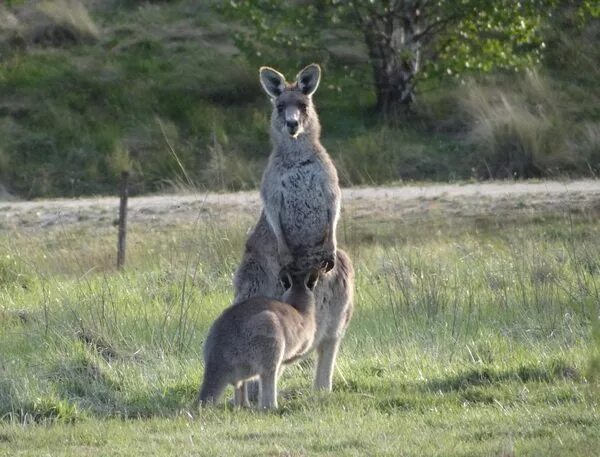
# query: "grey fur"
255,337
261,263
299,189
258,273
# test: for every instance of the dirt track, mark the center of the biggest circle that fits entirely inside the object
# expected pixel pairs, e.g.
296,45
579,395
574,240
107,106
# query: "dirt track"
495,198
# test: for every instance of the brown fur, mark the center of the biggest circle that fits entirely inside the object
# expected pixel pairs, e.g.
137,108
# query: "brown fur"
253,338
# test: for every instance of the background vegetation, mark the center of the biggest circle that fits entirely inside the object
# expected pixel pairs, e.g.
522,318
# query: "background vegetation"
169,89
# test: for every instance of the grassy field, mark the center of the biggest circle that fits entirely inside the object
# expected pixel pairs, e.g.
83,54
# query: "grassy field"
475,334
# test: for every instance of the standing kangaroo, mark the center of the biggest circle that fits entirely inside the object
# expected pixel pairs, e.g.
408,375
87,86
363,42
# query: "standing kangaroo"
299,188
253,338
299,159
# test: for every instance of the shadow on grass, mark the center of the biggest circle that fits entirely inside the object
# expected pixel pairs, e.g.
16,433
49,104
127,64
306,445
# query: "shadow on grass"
480,385
71,403
485,376
340,447
79,386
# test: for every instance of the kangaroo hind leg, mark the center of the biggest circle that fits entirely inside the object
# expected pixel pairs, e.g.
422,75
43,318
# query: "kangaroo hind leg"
268,391
326,354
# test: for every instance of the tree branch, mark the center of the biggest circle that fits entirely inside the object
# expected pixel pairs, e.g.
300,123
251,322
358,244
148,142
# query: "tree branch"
431,28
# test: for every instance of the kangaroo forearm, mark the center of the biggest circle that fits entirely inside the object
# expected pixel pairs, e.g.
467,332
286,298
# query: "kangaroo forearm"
331,243
274,220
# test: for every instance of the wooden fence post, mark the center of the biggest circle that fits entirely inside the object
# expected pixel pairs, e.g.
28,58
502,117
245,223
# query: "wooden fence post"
123,219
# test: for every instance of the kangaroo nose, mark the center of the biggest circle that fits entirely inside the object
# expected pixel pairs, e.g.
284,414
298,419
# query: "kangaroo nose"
292,125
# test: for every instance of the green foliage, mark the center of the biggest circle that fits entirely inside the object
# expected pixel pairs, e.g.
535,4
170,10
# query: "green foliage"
73,116
499,35
11,3
50,409
281,31
13,273
389,155
458,37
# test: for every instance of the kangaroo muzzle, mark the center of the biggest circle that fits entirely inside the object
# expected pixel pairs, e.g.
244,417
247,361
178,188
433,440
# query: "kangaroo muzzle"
292,120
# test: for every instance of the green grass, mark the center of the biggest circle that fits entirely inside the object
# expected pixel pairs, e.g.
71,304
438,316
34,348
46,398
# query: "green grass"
472,335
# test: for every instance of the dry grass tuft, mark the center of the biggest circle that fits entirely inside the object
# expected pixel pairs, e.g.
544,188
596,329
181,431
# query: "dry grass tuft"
587,144
58,23
517,133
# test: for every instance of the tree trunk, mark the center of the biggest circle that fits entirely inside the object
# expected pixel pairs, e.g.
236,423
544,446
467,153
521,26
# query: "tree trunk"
394,48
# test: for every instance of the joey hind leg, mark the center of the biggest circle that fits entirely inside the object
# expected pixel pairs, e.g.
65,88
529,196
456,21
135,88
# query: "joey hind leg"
326,354
268,391
240,395
253,387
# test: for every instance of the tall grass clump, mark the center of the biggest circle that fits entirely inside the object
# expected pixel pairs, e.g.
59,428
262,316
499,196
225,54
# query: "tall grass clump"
523,130
57,23
587,145
9,31
443,292
517,132
386,154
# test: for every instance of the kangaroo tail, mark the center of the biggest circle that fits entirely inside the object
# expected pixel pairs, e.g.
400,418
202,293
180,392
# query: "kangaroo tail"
212,387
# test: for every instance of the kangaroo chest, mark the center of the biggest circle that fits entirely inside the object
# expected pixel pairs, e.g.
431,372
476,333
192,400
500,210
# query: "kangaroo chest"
306,206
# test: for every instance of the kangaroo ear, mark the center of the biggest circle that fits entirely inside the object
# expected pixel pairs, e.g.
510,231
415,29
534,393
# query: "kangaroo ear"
272,81
308,79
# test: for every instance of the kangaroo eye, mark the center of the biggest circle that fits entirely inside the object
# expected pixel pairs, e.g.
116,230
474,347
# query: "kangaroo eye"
280,108
302,107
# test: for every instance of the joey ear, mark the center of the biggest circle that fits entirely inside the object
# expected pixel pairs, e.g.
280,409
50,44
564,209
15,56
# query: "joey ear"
312,278
308,79
272,81
285,279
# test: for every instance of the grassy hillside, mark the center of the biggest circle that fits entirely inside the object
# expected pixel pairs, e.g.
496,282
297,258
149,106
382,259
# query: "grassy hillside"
475,329
88,88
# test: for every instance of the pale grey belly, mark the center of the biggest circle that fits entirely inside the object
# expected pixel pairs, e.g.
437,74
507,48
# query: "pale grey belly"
305,222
